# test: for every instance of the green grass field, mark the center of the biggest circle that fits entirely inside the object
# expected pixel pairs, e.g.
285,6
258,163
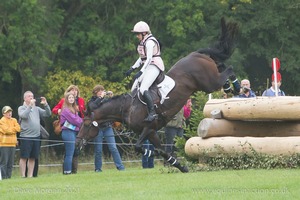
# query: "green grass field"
157,183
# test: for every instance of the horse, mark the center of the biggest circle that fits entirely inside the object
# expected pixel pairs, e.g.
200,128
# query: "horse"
202,70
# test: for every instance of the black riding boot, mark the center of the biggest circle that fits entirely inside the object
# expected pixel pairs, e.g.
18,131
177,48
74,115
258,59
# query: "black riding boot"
151,112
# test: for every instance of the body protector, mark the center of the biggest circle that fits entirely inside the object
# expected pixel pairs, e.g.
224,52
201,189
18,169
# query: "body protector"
156,58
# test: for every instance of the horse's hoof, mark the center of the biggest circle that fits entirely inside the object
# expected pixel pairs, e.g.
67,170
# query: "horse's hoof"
184,169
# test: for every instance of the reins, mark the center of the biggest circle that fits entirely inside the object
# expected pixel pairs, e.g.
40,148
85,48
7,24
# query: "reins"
94,123
89,126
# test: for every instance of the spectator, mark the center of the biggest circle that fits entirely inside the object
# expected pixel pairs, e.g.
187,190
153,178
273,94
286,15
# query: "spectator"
187,111
8,141
271,91
36,162
246,91
79,101
80,108
105,131
29,116
148,161
174,128
71,122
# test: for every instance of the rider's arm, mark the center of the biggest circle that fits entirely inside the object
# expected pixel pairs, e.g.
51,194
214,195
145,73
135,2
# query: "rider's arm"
137,64
149,49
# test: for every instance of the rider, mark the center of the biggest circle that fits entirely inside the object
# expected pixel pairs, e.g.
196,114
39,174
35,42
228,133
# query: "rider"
151,62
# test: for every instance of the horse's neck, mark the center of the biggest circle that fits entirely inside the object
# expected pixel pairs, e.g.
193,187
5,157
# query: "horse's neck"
113,110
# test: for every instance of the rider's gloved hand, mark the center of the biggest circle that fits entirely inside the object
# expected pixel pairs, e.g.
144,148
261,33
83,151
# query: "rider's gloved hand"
137,75
129,72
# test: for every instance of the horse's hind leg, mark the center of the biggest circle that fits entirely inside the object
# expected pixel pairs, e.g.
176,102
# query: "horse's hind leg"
229,74
154,139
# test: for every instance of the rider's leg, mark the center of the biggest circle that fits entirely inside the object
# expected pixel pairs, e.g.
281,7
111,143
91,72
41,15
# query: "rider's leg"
134,85
150,75
150,105
137,81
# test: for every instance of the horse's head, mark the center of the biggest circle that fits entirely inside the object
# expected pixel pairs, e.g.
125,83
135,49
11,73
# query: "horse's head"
88,130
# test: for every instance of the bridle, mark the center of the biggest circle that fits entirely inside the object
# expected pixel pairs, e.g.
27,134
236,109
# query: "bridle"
93,123
88,126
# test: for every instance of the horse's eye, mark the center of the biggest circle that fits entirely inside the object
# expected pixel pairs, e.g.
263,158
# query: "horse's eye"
95,123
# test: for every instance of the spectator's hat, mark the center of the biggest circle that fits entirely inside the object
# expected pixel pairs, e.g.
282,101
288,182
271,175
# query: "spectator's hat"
5,109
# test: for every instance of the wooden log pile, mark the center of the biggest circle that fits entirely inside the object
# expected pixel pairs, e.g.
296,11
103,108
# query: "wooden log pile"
269,125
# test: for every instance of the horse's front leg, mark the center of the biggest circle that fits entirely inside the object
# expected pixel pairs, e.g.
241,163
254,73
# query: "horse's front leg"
139,148
154,139
139,144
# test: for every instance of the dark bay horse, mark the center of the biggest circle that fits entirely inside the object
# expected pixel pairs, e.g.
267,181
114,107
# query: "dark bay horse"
198,71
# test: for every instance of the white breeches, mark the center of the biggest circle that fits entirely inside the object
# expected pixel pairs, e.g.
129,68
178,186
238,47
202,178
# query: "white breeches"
146,79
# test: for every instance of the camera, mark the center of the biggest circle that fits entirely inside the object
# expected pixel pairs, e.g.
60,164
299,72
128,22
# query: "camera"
38,100
246,89
109,93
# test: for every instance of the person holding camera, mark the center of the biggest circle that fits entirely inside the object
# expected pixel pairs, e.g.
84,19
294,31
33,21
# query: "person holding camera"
29,116
246,91
105,131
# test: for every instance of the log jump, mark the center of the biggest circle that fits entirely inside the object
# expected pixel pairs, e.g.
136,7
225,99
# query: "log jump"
270,125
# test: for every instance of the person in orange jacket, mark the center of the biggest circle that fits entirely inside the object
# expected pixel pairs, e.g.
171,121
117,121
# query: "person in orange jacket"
8,141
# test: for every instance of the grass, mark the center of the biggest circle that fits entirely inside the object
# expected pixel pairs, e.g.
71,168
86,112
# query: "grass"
157,183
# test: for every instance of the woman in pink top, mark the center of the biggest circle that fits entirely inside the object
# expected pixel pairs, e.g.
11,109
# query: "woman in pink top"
187,108
71,122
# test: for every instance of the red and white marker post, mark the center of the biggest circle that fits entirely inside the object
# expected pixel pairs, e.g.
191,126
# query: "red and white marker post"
276,67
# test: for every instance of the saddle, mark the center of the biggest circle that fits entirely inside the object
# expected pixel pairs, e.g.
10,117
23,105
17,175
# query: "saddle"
160,89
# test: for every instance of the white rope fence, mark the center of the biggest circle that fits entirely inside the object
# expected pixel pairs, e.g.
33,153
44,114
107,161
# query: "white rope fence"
61,142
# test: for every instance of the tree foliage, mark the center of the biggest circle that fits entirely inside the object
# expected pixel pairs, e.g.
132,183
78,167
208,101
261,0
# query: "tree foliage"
58,81
52,37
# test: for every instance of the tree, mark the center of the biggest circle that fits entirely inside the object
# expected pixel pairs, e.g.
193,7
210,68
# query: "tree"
269,29
27,40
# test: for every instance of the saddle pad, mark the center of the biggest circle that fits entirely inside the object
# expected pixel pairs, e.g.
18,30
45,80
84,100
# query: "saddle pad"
165,87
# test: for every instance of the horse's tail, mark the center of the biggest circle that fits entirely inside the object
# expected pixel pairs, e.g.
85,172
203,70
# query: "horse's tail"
223,49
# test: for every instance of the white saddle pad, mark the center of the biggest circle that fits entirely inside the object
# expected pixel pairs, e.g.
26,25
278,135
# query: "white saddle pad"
165,87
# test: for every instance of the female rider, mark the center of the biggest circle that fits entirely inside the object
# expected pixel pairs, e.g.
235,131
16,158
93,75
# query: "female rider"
151,62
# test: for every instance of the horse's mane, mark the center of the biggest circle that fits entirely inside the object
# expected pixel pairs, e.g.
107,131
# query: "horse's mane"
104,101
224,48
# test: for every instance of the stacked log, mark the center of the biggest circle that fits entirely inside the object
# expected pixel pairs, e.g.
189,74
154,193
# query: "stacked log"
259,108
209,127
269,125
197,146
